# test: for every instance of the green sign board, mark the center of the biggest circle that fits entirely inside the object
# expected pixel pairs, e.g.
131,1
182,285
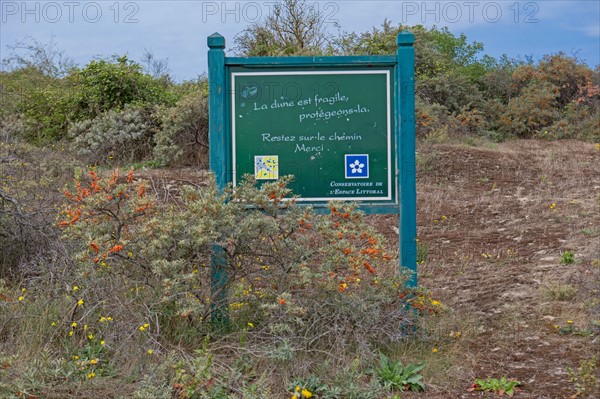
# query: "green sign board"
344,127
332,130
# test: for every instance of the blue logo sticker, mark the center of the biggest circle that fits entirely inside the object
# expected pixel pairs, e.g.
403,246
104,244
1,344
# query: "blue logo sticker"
357,166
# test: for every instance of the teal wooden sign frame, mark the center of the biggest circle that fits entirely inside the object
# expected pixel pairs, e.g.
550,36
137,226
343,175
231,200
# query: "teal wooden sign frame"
344,126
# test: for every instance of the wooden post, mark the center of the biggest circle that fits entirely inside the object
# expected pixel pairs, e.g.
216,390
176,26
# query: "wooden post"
218,158
405,122
216,108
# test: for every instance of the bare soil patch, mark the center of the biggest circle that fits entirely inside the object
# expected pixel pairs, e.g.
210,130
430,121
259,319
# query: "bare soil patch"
495,241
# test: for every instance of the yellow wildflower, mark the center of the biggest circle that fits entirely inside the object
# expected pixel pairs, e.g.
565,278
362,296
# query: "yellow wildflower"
91,375
80,302
569,321
75,288
21,298
434,350
250,325
70,333
90,336
150,351
102,342
93,361
74,324
306,393
455,334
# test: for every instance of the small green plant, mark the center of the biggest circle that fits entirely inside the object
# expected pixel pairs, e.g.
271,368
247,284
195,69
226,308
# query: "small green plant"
591,231
500,386
567,258
422,252
570,329
397,377
560,292
151,164
89,361
348,382
308,387
301,392
194,377
584,378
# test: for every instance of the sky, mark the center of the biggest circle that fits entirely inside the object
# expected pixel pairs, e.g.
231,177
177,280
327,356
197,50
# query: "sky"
177,30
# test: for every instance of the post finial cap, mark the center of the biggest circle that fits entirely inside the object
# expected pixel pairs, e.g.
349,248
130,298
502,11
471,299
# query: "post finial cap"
216,41
405,38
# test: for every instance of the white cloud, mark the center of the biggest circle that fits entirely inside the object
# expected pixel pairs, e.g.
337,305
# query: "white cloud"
591,30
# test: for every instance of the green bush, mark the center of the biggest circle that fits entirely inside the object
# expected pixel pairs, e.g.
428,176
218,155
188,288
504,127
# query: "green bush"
50,104
12,128
452,90
183,137
434,122
41,101
115,137
105,85
580,121
534,110
448,69
498,83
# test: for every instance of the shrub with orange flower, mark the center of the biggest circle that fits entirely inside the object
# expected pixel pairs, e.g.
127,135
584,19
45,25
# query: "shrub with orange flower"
104,210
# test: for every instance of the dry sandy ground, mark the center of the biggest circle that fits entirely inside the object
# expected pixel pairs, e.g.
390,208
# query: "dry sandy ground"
496,222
